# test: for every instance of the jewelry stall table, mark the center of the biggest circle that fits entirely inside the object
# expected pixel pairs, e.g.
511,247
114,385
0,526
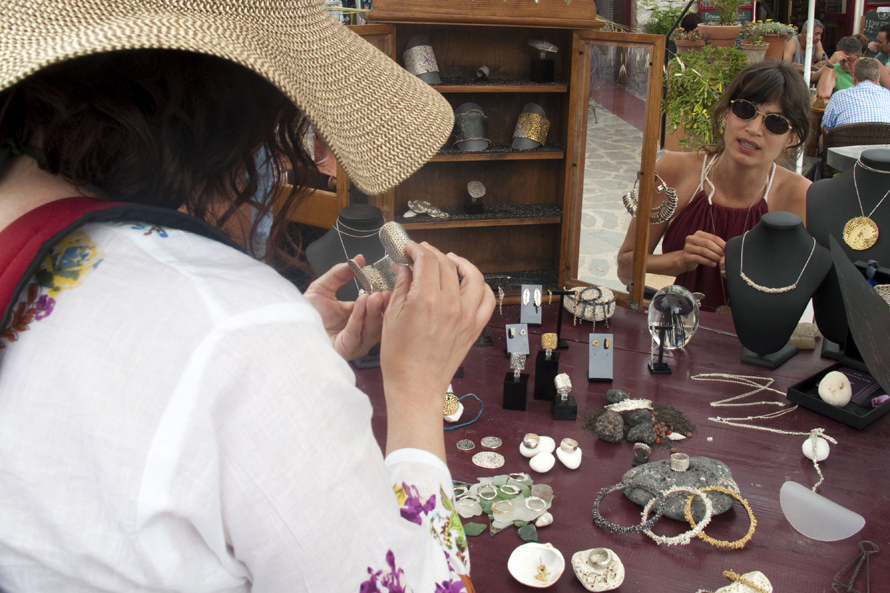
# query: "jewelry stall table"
856,475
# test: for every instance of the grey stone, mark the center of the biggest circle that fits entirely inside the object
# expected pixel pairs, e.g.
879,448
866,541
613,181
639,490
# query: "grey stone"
609,426
529,533
642,433
634,417
702,472
613,396
543,491
473,529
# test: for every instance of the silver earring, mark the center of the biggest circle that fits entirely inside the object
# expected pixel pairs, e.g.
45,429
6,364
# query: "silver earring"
537,297
525,298
512,332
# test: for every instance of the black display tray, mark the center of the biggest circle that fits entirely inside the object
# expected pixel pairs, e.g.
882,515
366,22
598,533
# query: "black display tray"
806,394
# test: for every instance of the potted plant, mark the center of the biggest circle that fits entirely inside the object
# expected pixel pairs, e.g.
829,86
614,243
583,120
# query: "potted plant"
695,82
661,18
774,35
725,31
752,43
687,41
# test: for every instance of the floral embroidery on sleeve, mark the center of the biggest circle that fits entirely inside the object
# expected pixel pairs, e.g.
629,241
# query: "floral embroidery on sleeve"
148,228
63,269
389,582
412,506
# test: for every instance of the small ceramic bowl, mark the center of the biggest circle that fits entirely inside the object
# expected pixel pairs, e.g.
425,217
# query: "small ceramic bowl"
536,565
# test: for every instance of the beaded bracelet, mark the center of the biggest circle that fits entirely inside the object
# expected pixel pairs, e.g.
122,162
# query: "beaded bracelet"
736,545
611,527
683,538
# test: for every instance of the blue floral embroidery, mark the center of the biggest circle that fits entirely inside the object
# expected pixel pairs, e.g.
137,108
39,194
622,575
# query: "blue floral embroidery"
141,226
413,507
389,582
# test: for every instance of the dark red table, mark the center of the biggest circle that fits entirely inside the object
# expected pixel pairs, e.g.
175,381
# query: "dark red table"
856,472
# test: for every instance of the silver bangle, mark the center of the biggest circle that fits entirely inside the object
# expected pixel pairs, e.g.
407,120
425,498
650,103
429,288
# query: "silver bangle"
494,493
513,490
679,462
537,500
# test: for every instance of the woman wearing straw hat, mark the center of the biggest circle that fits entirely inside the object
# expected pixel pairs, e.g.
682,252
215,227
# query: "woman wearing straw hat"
174,416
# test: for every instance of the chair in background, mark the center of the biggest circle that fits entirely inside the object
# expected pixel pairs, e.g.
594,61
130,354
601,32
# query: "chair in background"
853,135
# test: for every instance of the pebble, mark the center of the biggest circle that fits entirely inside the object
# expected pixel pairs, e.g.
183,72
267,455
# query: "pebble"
410,214
570,460
544,520
543,491
835,389
634,417
676,436
613,396
543,462
545,445
822,449
642,433
529,533
609,426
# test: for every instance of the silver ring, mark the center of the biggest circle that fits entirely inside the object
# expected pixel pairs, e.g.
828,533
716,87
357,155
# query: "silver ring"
522,332
496,510
679,462
536,499
520,477
513,490
494,492
531,440
463,501
463,492
568,445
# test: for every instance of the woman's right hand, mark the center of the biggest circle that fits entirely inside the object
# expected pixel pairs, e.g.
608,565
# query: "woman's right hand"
701,249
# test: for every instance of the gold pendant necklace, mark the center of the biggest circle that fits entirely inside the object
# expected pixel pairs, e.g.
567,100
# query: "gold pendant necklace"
861,232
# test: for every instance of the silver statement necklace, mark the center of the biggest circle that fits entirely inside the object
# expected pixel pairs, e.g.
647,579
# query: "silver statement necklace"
861,232
767,289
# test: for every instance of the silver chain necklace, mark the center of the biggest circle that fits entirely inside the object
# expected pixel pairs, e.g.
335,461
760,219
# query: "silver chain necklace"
340,234
767,289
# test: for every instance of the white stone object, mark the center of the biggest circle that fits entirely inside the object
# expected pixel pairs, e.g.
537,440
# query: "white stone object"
543,462
456,416
545,445
410,214
821,452
526,562
676,436
570,460
835,389
544,520
598,569
755,577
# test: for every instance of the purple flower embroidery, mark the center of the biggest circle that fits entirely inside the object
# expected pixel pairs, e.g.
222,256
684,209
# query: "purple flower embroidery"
44,306
450,587
389,583
413,507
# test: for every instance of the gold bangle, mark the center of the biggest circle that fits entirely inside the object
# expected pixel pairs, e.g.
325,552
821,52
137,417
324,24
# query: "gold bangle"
736,545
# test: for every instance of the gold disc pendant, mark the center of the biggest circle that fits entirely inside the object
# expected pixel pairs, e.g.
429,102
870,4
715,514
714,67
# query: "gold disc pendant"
860,233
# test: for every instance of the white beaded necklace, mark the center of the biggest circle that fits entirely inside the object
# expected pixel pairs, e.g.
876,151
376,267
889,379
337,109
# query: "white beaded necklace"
767,289
752,381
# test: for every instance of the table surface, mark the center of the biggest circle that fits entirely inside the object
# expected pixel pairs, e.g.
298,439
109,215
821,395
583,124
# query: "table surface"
856,475
843,157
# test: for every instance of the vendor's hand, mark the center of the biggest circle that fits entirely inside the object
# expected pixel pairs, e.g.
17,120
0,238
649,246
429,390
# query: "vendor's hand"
701,249
354,327
432,320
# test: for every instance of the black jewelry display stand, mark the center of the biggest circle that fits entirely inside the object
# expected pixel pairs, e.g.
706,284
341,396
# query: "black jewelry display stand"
832,350
541,70
564,409
545,373
484,340
515,392
474,206
772,360
660,367
561,344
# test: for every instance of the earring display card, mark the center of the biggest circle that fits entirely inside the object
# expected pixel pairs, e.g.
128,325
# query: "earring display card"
599,368
515,392
545,372
531,300
517,338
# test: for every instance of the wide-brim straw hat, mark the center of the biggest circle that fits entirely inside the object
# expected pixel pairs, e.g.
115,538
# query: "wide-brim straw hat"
381,122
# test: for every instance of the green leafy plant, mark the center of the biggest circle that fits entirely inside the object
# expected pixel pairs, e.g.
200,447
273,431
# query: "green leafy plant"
662,18
726,10
682,34
751,33
695,83
770,27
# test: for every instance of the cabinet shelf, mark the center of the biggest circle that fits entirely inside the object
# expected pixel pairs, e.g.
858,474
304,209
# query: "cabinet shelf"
501,152
511,282
497,215
500,85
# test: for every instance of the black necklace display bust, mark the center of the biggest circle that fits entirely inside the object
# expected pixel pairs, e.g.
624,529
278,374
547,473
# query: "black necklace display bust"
354,233
831,205
772,272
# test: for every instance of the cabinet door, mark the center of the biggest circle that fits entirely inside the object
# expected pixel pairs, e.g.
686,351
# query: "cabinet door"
615,118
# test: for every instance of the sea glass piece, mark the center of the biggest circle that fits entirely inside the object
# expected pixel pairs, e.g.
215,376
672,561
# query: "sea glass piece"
817,517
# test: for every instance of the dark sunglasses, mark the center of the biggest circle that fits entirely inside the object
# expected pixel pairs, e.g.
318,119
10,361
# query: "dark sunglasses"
773,122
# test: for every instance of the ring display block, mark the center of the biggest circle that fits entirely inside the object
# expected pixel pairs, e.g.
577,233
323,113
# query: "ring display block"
545,372
515,392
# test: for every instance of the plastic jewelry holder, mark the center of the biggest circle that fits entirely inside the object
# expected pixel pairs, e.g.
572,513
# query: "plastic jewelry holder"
519,341
531,313
660,367
599,366
545,372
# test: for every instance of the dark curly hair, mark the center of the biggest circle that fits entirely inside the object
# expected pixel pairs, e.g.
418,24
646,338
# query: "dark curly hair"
165,128
765,82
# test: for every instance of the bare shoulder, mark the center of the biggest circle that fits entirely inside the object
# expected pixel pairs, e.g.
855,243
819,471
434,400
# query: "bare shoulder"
789,192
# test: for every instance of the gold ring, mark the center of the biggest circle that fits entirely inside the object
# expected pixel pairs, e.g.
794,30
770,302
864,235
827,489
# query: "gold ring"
496,510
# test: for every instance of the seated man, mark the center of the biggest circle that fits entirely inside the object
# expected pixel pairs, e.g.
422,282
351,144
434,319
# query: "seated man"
882,45
837,73
865,102
795,47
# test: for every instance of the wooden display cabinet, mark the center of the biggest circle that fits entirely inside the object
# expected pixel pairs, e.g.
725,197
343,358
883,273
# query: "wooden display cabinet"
529,232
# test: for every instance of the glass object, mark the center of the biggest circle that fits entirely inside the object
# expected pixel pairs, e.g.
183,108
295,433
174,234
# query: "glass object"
674,308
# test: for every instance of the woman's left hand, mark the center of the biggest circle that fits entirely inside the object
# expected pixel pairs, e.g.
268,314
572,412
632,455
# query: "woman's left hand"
354,327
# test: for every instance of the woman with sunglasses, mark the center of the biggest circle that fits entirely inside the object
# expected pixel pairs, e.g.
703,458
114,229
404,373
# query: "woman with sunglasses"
725,189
